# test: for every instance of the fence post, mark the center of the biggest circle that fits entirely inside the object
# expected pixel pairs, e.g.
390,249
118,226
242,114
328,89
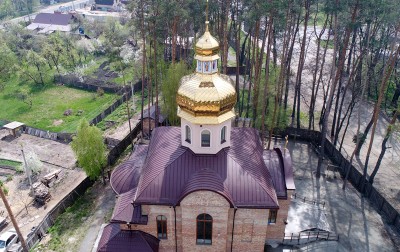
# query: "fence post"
298,240
291,237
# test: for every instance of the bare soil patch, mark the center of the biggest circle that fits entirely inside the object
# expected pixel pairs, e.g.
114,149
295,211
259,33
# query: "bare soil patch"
57,122
51,156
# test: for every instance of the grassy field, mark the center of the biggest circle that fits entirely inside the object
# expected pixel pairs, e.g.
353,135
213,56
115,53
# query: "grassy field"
49,104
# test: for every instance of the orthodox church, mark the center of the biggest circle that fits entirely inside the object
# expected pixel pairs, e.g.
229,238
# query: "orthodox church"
205,185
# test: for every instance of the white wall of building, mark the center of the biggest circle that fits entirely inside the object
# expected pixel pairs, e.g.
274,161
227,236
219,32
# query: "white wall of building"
215,144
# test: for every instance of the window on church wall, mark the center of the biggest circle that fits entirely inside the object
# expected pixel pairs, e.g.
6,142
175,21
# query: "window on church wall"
205,138
199,66
188,137
206,67
272,216
204,229
223,135
214,66
161,227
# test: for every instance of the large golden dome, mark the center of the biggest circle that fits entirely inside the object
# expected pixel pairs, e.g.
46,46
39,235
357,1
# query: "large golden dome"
206,97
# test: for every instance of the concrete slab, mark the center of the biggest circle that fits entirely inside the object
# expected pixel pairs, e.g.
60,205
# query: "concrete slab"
348,214
303,216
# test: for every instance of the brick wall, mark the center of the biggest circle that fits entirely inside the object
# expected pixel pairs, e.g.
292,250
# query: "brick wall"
153,211
276,231
251,228
204,202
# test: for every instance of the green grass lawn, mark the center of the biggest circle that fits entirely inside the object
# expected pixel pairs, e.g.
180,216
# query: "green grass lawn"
11,163
49,104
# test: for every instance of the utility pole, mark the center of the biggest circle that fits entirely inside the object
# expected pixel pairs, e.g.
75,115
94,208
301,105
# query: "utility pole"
28,172
14,222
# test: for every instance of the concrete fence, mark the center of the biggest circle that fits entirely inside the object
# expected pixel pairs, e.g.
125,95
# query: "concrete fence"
60,137
355,177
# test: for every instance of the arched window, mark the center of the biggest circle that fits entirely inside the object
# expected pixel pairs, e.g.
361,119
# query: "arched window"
188,137
204,229
161,227
223,135
214,66
205,138
199,66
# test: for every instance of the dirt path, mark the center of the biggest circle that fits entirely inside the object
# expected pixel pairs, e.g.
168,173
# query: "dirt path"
104,205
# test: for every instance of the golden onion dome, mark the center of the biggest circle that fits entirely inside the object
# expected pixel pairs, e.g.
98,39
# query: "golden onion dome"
207,45
206,99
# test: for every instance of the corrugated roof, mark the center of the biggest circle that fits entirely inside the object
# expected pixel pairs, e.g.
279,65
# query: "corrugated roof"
280,167
126,176
239,173
125,211
275,167
113,239
52,18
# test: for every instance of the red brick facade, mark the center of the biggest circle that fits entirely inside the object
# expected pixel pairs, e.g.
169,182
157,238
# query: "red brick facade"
251,228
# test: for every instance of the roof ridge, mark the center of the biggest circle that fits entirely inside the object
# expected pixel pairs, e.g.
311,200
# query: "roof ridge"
156,176
111,237
144,239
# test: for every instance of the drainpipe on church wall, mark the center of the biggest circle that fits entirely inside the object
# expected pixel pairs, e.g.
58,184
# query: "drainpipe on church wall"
233,226
176,238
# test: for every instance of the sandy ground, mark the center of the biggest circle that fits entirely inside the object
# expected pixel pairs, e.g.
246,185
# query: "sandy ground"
386,181
54,156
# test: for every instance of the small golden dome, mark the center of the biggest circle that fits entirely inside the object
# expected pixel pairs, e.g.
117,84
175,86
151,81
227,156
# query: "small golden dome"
206,99
207,45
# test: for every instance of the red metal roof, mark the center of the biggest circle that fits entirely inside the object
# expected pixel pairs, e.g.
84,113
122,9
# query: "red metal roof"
280,167
113,239
125,211
238,173
126,176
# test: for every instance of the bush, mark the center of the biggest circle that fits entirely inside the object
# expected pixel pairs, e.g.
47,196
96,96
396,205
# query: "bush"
100,92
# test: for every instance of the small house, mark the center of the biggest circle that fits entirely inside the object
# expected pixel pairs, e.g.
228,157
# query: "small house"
47,23
149,119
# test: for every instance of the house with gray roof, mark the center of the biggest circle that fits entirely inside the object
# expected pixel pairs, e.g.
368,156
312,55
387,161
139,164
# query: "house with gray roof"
204,185
47,23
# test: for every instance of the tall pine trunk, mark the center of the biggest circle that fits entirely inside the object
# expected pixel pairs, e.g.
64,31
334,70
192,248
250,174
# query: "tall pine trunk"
333,88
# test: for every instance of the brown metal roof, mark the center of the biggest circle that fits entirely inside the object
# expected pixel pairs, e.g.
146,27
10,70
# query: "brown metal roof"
113,239
126,176
238,173
288,166
125,211
274,160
